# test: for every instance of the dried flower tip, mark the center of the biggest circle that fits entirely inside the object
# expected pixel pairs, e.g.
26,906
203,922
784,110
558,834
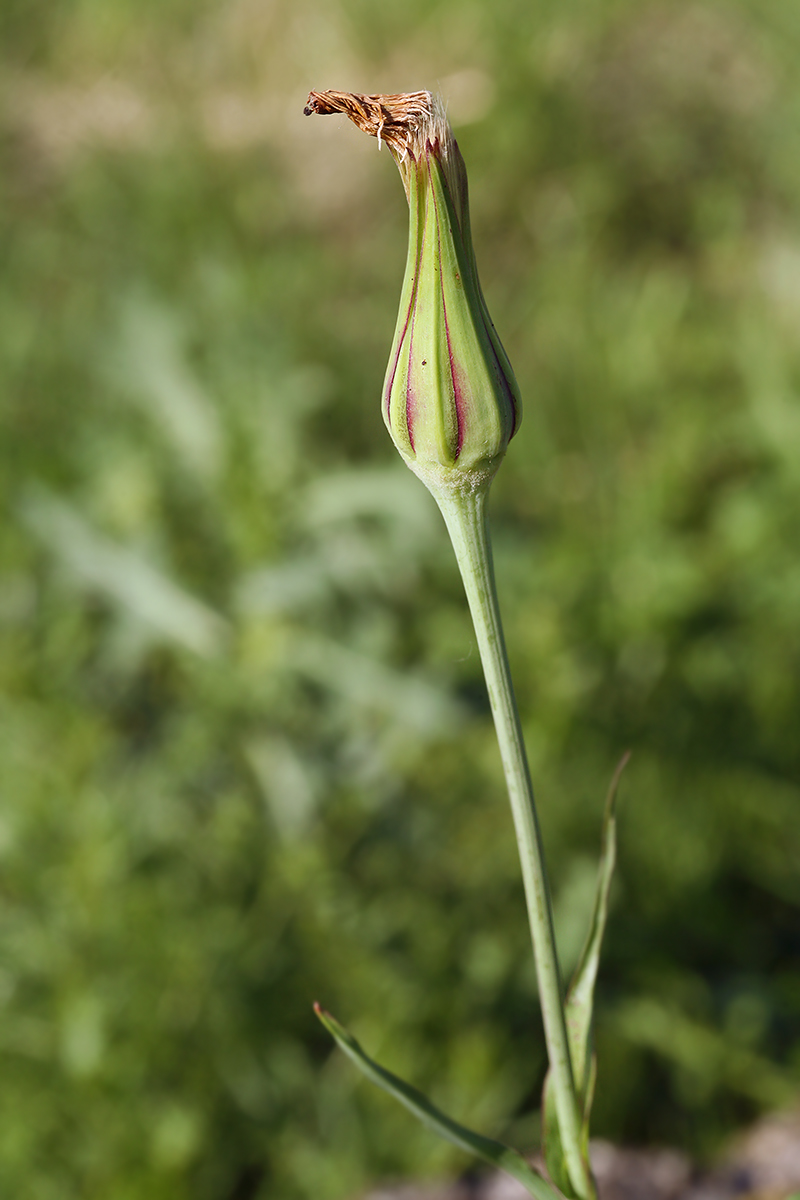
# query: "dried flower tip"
406,122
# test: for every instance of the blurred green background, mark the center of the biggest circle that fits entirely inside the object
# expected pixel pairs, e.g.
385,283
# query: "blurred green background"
245,752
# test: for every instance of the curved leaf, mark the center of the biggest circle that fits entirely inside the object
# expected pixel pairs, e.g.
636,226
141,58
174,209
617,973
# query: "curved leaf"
579,1003
580,996
494,1153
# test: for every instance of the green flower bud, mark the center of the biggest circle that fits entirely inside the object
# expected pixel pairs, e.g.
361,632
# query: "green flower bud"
450,400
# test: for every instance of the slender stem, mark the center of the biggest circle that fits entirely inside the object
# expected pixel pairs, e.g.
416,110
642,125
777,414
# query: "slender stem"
465,516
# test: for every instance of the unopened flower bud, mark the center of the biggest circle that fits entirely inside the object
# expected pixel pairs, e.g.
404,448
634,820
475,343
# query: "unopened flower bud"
450,400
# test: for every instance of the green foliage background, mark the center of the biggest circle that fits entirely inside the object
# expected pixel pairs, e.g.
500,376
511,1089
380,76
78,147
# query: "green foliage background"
245,751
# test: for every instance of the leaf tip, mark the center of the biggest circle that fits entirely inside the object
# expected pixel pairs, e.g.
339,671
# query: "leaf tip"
612,790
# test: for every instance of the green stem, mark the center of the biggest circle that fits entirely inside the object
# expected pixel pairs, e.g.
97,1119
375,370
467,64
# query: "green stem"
465,517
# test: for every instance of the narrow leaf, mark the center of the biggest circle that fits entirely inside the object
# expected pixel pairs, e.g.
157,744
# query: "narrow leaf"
551,1143
494,1153
580,997
580,1003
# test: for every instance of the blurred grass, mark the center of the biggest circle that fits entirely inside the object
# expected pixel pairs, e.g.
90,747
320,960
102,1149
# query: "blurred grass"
246,758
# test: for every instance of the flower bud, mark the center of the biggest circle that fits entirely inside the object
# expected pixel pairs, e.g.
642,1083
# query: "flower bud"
450,399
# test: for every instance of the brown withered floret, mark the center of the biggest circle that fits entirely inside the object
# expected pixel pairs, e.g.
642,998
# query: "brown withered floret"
396,120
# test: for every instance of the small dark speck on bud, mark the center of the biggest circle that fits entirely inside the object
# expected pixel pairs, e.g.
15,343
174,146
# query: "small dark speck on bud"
424,362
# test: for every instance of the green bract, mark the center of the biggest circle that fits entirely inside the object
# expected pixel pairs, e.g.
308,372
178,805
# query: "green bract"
450,399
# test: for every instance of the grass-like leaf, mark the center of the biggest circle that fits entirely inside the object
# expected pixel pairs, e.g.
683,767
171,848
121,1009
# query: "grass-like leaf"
492,1152
580,997
580,1000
